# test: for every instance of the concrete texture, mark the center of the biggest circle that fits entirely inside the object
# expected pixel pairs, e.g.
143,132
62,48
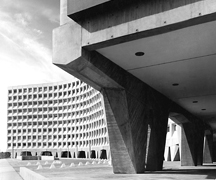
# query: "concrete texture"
132,106
28,174
171,170
140,106
7,172
192,145
208,148
63,128
139,18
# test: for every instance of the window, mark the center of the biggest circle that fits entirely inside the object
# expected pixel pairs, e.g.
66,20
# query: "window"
168,128
174,127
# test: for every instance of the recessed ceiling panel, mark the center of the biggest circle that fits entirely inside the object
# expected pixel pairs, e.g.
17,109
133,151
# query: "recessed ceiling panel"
177,45
180,64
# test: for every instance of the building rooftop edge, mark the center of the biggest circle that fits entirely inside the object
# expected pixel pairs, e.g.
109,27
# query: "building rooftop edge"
44,84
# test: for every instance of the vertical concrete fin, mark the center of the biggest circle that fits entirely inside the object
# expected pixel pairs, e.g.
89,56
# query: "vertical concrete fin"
63,12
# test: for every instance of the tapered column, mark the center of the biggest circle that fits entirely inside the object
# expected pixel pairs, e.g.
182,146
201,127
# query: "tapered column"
208,147
127,121
192,145
127,129
214,151
157,139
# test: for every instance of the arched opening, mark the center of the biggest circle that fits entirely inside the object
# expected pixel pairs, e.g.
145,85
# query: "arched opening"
93,154
65,154
81,154
25,153
46,153
103,154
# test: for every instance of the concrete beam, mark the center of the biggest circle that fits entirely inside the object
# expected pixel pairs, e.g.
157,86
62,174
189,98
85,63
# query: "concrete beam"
98,33
79,9
94,36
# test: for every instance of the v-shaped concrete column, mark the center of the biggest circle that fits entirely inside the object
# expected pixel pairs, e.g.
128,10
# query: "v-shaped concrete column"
208,147
192,145
127,120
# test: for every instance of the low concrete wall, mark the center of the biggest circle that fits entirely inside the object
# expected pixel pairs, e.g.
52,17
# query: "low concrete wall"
28,174
47,158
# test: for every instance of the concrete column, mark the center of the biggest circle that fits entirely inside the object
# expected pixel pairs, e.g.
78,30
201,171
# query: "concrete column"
59,154
208,147
127,121
192,145
124,157
214,151
158,120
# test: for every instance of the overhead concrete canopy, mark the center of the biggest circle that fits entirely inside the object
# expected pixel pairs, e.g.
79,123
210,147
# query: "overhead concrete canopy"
185,57
177,39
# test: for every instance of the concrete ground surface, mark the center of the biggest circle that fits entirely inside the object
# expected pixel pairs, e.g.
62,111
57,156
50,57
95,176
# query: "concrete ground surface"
7,172
172,171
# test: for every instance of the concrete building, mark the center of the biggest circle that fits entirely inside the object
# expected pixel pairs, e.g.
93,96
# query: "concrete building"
173,142
151,60
65,118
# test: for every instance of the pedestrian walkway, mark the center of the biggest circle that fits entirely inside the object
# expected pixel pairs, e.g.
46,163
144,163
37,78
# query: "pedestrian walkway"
7,172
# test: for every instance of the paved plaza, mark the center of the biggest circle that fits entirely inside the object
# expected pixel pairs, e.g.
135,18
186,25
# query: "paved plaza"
102,171
7,172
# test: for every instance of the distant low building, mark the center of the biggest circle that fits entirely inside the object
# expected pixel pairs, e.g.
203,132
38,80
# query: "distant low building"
4,155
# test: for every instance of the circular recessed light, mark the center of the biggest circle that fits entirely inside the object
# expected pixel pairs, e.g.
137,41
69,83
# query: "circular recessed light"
175,84
195,101
203,109
139,53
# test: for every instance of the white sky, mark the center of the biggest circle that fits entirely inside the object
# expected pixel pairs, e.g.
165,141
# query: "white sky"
26,48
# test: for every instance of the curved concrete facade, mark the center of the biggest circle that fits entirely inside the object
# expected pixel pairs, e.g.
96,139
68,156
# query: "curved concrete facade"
59,117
